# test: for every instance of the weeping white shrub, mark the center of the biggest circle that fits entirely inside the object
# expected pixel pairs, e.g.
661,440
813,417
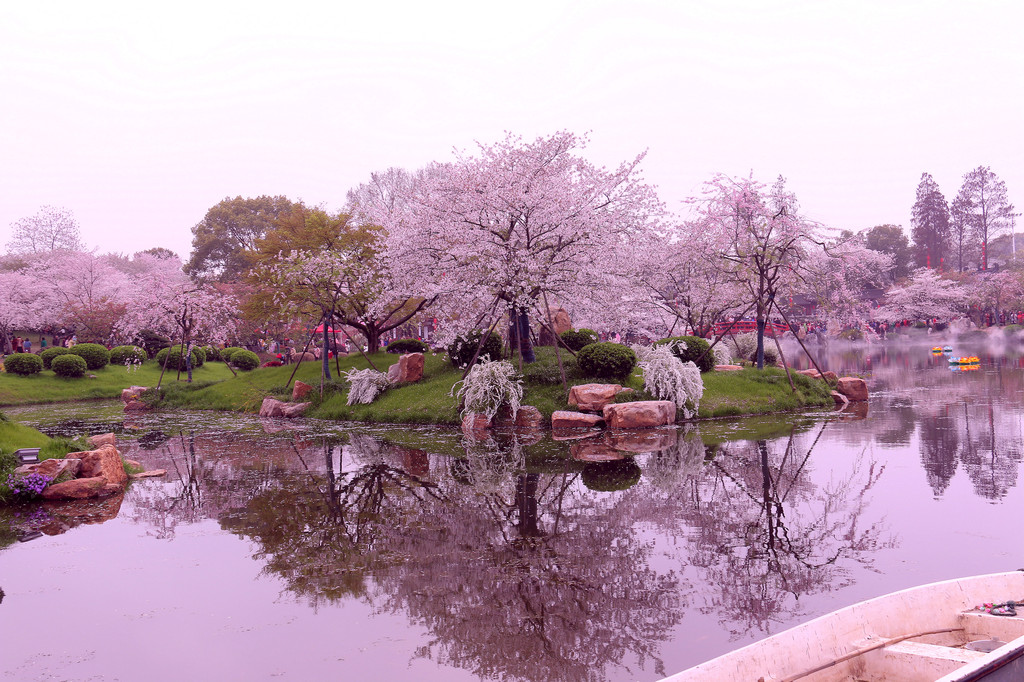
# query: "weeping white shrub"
365,385
669,378
723,356
488,386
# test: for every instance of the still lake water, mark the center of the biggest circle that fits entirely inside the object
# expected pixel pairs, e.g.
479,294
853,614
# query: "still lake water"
321,550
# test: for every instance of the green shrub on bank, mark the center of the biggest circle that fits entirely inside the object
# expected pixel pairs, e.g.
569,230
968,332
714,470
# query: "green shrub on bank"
606,360
464,346
23,364
245,360
212,353
226,353
696,347
577,339
95,355
176,359
151,341
70,366
49,354
407,346
123,355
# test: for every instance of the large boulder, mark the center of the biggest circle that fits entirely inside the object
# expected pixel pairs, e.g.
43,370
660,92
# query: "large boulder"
136,406
840,400
80,489
561,321
854,388
409,368
475,423
564,419
272,407
132,393
640,414
300,390
104,462
528,417
51,468
593,397
102,439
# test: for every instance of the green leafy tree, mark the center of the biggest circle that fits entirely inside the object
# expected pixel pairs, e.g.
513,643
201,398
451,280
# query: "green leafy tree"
891,240
930,220
223,242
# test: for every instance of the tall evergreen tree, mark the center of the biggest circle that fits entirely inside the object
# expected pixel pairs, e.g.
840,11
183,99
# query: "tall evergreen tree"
929,219
960,230
988,211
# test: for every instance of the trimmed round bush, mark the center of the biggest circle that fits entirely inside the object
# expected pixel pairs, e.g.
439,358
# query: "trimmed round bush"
462,349
576,339
95,355
245,360
407,346
70,366
176,360
23,364
695,348
122,355
212,353
49,354
606,360
611,476
226,353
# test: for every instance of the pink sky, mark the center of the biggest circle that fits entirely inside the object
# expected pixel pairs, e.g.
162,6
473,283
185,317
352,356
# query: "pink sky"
139,117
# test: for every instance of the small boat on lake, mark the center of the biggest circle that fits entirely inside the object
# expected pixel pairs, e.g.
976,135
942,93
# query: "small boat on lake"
937,349
965,360
964,630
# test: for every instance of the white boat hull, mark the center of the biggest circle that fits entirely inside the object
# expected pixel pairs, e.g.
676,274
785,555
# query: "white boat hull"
916,635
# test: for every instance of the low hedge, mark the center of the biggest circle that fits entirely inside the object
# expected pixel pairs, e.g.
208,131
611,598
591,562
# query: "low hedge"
606,360
70,366
176,360
407,346
696,347
23,364
576,339
245,360
464,346
123,355
212,353
95,355
49,354
226,353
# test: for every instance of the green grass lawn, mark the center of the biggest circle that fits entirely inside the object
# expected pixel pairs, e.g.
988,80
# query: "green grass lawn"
428,401
47,387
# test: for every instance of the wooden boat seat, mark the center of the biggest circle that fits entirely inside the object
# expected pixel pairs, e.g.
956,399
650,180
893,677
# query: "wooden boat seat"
918,662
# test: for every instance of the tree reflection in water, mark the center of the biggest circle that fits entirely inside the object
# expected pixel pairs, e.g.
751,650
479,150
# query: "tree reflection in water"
766,535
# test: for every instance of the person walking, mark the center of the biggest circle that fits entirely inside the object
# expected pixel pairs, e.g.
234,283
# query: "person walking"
27,345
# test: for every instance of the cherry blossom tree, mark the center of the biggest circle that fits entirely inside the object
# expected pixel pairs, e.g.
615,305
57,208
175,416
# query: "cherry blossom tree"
994,291
925,296
84,290
516,223
758,236
837,277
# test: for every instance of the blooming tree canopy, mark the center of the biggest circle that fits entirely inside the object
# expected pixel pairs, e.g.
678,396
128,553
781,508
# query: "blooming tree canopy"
925,296
518,221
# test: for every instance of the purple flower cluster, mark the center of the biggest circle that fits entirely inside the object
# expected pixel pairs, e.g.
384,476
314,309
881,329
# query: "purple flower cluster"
28,487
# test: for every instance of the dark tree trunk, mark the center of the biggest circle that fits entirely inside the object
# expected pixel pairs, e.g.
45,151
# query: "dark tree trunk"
325,360
519,334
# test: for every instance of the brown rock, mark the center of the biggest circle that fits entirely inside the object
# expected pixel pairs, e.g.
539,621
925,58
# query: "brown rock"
103,462
652,440
640,414
854,388
593,397
302,357
574,434
132,463
409,368
855,411
591,451
51,467
563,419
300,390
840,399
529,417
133,393
296,410
136,406
830,377
475,422
272,407
102,439
728,368
150,474
78,489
